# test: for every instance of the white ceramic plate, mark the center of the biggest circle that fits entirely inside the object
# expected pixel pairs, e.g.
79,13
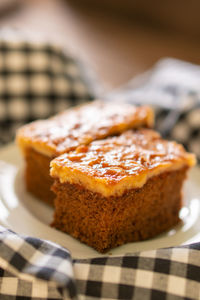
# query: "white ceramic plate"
24,214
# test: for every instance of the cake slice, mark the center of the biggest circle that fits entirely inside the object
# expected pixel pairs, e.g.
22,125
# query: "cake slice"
121,189
43,140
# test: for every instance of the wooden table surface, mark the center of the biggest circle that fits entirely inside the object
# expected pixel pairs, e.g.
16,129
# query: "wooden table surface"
116,47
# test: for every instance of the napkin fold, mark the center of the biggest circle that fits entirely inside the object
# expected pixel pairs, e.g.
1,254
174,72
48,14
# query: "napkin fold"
32,268
37,80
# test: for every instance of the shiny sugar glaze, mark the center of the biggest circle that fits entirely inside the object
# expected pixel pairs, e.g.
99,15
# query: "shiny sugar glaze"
83,124
132,153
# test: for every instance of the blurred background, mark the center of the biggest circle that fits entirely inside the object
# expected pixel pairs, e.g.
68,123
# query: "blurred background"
117,38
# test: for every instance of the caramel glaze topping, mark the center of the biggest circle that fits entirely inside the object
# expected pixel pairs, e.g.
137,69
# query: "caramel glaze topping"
133,155
81,125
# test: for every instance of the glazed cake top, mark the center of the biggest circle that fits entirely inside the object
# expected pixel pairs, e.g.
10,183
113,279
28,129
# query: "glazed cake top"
81,125
116,164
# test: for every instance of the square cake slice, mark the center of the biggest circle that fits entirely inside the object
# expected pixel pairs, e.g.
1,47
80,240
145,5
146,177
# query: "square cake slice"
121,189
43,140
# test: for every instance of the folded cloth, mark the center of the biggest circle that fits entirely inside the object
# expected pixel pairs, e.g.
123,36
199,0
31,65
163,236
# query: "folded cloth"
34,269
37,80
31,268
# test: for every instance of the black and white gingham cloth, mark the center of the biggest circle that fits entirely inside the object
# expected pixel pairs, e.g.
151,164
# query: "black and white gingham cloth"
34,269
38,80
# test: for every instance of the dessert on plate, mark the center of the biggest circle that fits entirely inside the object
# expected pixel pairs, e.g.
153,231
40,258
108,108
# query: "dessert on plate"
43,140
120,189
113,178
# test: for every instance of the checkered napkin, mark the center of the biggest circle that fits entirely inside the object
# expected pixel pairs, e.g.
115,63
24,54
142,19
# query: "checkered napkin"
34,269
37,80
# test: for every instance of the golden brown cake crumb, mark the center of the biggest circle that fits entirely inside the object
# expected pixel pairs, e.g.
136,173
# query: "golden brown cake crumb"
106,222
